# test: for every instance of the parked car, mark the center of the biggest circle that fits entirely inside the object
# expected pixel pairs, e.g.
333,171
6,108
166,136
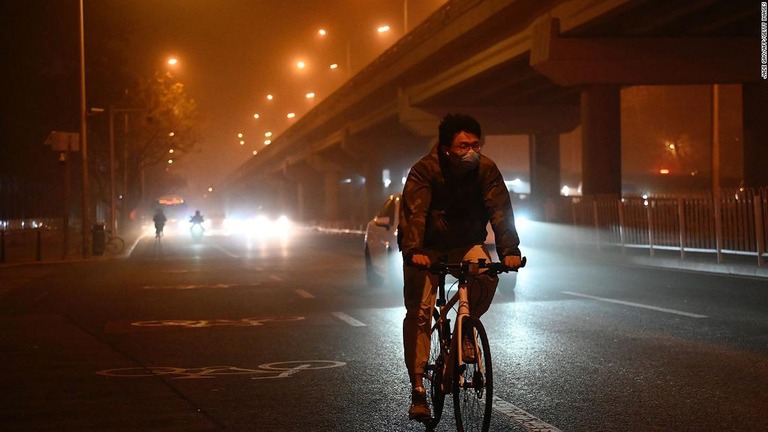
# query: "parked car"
383,260
382,257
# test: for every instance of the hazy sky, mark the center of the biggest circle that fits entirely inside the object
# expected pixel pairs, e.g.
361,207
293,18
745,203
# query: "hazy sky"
232,53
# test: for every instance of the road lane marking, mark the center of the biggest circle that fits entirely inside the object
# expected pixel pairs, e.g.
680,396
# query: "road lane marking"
226,252
191,287
304,294
521,417
348,319
276,278
637,305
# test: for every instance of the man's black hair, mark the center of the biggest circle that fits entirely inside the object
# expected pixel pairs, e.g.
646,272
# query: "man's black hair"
453,124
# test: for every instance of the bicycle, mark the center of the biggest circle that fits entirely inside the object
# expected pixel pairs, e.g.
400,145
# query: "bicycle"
114,244
470,381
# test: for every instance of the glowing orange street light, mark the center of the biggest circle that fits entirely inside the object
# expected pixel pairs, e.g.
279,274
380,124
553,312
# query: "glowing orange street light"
173,61
383,29
664,171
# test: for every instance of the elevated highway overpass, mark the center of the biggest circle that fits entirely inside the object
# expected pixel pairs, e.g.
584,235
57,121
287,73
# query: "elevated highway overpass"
538,68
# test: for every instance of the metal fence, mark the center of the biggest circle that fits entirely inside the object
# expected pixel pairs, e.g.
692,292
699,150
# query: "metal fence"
736,222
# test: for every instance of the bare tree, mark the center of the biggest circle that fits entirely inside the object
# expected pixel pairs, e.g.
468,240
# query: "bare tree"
167,126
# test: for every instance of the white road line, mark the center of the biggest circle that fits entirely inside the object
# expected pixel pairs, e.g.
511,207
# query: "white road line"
304,294
348,319
187,287
638,305
226,252
276,278
523,418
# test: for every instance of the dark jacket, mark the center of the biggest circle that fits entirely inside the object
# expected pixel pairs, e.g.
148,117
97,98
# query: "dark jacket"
159,219
440,210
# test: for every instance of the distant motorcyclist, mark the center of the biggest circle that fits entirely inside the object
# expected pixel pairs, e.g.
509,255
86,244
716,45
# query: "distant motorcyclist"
197,226
197,218
159,220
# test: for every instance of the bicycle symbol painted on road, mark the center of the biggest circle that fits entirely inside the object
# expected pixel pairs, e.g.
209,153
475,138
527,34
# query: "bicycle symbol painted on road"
243,322
264,371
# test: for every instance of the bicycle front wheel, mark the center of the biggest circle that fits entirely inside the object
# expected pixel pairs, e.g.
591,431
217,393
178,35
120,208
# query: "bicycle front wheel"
433,373
115,245
473,382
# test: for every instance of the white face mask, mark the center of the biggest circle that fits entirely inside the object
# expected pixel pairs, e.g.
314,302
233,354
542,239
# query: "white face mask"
465,163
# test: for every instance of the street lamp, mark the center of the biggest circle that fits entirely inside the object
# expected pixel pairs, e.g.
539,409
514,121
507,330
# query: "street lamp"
323,33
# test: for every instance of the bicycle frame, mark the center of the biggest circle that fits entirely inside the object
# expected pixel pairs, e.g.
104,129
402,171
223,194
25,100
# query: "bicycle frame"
462,298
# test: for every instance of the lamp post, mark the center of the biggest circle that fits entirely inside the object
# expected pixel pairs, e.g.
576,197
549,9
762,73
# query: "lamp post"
83,142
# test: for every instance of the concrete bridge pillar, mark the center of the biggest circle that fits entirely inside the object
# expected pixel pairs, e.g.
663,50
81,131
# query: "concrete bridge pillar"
601,139
545,171
301,202
331,210
755,121
374,188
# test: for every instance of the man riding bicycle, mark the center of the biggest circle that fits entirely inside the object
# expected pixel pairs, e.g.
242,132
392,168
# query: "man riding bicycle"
159,219
448,199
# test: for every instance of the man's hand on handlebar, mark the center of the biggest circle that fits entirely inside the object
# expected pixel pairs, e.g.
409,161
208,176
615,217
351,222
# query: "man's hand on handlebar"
512,261
421,260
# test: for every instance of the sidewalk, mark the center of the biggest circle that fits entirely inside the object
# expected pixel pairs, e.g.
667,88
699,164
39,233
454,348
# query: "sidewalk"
49,251
736,265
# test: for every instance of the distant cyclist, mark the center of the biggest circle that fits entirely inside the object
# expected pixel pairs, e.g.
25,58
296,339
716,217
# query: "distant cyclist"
159,220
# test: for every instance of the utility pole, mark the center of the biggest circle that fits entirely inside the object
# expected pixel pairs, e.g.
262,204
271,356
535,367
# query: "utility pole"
86,210
405,17
112,187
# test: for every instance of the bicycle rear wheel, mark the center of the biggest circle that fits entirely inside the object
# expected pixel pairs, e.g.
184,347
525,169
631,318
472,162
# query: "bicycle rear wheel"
115,245
473,383
433,374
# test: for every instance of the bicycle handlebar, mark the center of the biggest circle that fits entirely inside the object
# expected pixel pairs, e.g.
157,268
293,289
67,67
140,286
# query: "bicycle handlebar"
493,268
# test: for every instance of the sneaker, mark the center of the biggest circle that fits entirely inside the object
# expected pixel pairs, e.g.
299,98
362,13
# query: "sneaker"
468,350
419,409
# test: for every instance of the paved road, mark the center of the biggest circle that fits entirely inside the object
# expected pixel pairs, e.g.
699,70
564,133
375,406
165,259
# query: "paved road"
270,335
